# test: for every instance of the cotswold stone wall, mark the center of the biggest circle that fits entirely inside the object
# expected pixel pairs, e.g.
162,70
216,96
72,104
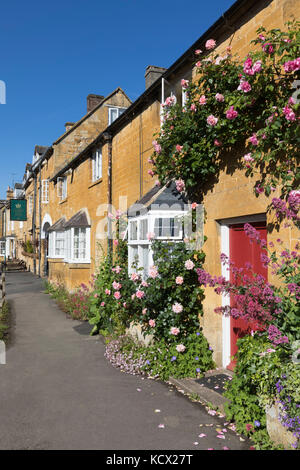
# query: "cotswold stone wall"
232,195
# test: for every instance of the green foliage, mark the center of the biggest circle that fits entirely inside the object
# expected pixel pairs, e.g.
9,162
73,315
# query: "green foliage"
76,304
107,313
165,361
163,292
253,386
4,322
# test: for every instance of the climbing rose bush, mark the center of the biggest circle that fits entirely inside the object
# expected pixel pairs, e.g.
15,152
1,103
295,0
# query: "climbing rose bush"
250,106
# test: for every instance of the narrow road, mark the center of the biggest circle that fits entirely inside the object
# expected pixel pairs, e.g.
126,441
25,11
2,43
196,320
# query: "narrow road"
57,391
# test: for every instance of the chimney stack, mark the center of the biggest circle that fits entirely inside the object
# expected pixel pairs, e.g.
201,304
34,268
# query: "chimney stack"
93,101
152,74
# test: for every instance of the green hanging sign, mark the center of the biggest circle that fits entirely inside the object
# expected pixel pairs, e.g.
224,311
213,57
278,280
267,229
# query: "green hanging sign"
18,209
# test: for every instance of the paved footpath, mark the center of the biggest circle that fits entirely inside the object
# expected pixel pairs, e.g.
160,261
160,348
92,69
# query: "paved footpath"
57,391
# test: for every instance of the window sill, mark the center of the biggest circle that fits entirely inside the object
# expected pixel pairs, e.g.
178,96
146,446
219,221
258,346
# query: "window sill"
63,201
94,183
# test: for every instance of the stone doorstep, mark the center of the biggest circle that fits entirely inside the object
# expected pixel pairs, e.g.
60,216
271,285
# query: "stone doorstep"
206,395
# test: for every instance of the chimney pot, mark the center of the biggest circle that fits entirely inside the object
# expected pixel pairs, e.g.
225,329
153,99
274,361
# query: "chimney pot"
152,74
93,101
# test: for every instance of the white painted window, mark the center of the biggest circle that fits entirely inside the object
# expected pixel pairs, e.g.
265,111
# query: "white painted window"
45,191
97,165
2,248
59,244
56,244
162,225
114,113
77,245
62,187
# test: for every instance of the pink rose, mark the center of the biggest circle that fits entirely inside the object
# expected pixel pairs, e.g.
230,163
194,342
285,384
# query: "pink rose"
177,307
217,143
253,140
198,64
150,235
179,280
152,323
189,264
184,83
174,331
219,97
231,113
244,86
194,205
198,51
144,311
211,120
140,294
151,172
116,285
193,107
180,185
202,99
180,348
134,277
102,304
107,291
153,272
257,66
179,147
117,295
210,44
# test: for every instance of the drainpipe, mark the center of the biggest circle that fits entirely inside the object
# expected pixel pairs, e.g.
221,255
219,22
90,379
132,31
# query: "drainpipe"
108,140
40,218
34,223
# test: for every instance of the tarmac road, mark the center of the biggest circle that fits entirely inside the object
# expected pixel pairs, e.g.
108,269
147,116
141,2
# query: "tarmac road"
57,390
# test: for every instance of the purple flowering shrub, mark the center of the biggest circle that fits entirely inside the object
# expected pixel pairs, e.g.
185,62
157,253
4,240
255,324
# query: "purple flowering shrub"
125,354
76,304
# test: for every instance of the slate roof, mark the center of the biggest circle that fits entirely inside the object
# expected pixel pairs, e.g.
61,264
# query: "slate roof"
59,225
159,198
78,220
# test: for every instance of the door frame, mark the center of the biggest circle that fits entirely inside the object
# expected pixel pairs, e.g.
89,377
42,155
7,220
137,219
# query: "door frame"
225,248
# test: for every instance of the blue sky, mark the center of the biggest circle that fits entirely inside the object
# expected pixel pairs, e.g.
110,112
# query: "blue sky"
53,54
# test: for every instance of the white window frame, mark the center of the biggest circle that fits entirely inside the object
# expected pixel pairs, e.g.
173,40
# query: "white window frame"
97,165
120,110
70,254
45,191
54,238
140,243
2,248
62,187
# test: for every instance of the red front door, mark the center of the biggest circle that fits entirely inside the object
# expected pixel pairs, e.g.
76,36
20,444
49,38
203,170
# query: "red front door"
241,251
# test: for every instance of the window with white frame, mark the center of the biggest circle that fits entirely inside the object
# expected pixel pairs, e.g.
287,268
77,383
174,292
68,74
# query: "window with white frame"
57,244
2,248
114,113
62,187
78,245
141,231
97,165
45,191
